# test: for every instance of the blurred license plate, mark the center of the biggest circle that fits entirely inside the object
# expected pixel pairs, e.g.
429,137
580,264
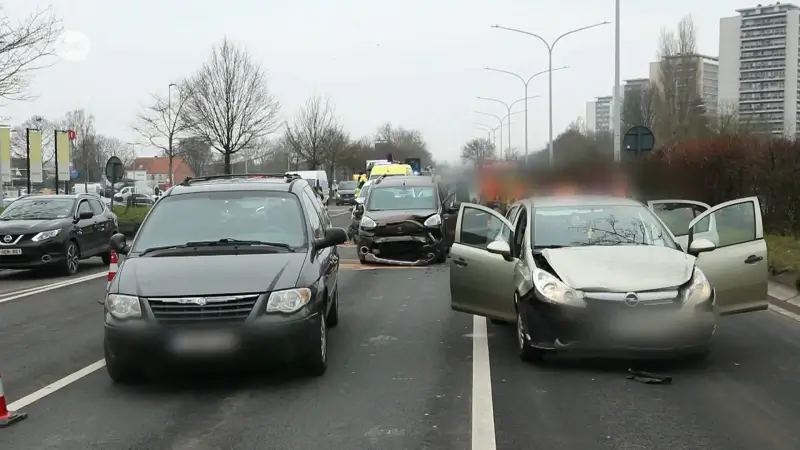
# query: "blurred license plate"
204,342
10,251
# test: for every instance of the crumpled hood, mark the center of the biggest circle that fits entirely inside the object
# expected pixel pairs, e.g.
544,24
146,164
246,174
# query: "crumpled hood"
629,268
167,276
30,226
386,217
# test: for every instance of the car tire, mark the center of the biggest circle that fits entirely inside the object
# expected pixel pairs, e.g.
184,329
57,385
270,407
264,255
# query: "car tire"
315,361
526,352
333,313
118,371
72,254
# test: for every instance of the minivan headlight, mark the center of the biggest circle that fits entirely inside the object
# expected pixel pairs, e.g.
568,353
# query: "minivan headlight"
433,221
368,224
123,306
289,300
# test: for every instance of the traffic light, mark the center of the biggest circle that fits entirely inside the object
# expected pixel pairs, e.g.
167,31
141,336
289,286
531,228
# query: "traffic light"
415,163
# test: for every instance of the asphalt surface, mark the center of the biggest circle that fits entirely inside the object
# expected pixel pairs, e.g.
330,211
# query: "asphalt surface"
400,377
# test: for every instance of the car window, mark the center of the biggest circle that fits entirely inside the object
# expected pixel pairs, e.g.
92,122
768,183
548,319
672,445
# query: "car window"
402,198
519,231
479,228
571,226
202,216
348,185
97,207
313,216
38,209
83,207
735,224
677,216
325,219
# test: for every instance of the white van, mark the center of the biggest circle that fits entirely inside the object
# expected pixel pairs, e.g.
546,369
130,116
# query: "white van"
315,177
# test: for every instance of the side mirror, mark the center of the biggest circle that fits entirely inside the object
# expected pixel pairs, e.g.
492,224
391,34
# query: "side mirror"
454,207
701,246
85,215
333,236
360,200
500,248
119,243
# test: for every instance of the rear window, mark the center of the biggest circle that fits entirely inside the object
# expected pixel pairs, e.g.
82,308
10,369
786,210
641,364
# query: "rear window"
348,185
204,216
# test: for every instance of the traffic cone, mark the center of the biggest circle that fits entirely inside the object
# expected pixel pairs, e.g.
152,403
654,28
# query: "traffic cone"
112,267
7,417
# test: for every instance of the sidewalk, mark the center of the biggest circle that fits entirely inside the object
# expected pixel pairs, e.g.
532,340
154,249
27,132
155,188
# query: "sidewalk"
783,295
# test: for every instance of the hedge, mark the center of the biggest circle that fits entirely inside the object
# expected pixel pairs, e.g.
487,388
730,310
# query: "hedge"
130,218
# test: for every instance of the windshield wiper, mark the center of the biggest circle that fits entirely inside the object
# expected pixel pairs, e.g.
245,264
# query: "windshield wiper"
230,241
544,247
162,247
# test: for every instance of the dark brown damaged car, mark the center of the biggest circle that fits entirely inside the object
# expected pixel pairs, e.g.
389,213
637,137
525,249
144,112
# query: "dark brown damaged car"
403,222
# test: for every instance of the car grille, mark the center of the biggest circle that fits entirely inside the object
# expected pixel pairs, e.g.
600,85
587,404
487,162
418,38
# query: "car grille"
648,302
407,228
216,310
346,195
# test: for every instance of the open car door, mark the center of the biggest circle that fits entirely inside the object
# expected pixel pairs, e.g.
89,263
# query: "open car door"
677,214
737,267
481,283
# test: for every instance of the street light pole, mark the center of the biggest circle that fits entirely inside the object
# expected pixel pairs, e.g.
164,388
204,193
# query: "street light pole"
525,82
550,46
617,110
170,128
508,108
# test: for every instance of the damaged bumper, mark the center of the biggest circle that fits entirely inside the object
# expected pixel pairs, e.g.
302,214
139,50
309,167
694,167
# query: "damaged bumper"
400,250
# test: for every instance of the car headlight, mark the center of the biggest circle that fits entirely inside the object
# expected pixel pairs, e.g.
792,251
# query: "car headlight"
699,289
45,235
288,301
433,221
123,306
554,291
367,223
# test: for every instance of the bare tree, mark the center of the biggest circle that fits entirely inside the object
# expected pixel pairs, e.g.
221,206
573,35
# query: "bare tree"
404,143
477,151
160,123
25,47
335,145
639,107
197,154
230,106
306,137
19,144
111,146
85,156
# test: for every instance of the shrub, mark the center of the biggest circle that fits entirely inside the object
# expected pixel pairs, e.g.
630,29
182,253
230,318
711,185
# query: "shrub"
130,218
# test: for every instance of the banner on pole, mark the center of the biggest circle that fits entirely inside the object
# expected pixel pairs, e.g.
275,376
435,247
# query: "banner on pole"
5,155
62,155
35,155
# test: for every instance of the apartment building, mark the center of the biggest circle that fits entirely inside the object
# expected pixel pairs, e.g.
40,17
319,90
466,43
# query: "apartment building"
698,72
598,114
759,70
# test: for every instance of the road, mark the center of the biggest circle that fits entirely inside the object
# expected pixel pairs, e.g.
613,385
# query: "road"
401,376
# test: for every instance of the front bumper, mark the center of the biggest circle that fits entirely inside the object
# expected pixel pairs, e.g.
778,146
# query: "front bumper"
400,250
34,255
262,340
646,333
350,200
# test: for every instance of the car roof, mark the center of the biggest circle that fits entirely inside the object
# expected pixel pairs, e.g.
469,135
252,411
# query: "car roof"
201,184
581,200
57,196
406,181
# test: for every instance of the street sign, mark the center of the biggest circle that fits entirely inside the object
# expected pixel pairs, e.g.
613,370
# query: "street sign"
638,140
71,135
114,169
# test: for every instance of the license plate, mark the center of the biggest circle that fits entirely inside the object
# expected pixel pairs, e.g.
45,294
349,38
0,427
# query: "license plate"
204,342
10,251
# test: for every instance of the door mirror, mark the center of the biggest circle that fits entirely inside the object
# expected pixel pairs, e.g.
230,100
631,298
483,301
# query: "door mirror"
500,248
701,246
454,207
119,243
333,236
360,200
85,215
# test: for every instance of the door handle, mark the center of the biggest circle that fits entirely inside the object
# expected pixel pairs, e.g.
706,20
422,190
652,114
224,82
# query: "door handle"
460,262
752,259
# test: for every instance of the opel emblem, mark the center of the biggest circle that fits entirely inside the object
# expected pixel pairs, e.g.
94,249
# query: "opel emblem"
7,239
399,229
631,299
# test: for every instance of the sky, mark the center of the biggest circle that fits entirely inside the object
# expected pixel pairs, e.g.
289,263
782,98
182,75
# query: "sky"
416,63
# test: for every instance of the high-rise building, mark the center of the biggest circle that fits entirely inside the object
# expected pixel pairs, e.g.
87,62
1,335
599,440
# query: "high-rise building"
757,50
598,114
697,72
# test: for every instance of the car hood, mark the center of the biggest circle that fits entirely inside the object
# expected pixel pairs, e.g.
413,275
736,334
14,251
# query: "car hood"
30,226
347,191
166,276
383,217
620,268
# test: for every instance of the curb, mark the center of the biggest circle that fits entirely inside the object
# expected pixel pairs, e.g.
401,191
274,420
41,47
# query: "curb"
783,295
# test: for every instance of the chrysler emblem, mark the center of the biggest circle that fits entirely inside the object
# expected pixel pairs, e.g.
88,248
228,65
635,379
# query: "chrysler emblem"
631,299
7,238
194,300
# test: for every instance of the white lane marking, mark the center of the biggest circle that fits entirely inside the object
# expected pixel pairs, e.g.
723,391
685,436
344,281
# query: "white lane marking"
53,387
49,287
483,437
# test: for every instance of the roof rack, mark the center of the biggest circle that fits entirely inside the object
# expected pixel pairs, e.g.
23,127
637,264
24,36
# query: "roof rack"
286,176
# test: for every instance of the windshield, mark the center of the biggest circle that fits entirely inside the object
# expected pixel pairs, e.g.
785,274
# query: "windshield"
401,198
598,225
211,216
364,190
348,185
39,209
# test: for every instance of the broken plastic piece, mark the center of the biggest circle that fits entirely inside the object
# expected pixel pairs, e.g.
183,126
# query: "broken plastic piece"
648,378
